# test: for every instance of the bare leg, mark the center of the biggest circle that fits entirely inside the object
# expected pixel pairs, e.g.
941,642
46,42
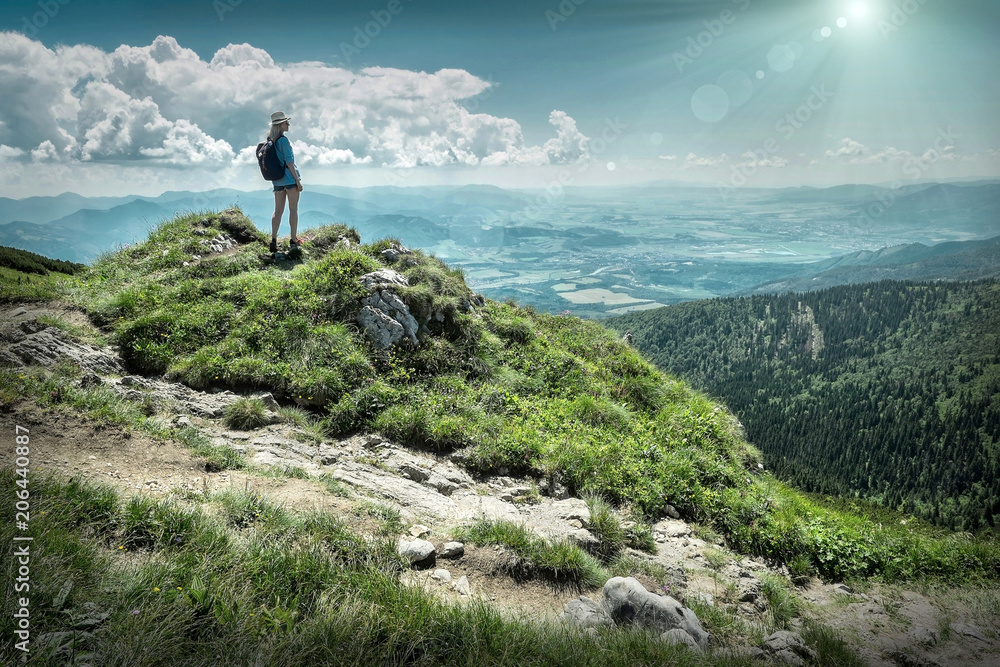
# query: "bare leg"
279,210
293,211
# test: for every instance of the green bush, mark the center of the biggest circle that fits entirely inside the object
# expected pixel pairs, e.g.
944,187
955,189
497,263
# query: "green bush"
246,414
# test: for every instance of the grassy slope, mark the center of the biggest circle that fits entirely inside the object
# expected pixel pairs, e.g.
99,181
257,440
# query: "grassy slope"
509,388
513,390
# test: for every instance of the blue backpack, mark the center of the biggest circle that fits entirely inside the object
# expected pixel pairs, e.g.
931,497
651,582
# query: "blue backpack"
271,166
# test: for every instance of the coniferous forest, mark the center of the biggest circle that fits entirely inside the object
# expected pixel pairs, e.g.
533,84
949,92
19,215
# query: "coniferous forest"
887,391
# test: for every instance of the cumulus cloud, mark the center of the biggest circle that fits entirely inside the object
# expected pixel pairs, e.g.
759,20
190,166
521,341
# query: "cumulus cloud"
854,152
162,104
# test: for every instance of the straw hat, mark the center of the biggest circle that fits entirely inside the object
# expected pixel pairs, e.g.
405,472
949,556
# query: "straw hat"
279,117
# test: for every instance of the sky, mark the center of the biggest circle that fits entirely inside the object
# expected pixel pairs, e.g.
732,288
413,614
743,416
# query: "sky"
113,97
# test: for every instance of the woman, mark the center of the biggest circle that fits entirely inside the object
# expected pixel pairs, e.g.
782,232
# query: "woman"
288,187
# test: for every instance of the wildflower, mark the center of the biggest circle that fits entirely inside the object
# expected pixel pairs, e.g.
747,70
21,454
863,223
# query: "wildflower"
121,547
135,612
179,588
156,589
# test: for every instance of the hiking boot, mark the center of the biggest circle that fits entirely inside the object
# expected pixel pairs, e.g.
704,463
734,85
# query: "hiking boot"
294,243
274,245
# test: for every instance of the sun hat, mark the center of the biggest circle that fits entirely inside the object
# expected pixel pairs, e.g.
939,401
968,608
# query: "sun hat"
279,117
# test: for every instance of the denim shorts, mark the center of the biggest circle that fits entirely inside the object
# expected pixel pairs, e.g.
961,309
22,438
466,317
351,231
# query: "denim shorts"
279,188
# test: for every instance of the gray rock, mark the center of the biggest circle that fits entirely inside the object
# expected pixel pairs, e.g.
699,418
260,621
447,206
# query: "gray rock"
415,551
183,422
90,380
678,636
748,589
46,347
789,657
392,306
968,631
843,589
17,312
442,575
925,636
783,641
453,550
380,328
419,530
671,511
463,587
405,493
629,603
586,613
383,278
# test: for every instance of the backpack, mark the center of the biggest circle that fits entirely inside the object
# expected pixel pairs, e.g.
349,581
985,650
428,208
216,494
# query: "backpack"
271,166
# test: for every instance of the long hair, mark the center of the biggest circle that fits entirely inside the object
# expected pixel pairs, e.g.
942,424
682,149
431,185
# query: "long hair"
275,132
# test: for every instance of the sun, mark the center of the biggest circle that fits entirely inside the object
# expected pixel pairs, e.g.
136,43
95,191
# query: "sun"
859,10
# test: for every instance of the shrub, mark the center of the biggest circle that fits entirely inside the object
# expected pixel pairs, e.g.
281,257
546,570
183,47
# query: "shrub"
246,414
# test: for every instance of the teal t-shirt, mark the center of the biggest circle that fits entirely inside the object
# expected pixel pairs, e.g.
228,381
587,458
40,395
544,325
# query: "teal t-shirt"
285,154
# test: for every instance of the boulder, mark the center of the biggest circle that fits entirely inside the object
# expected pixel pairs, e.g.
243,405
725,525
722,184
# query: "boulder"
415,551
586,613
629,603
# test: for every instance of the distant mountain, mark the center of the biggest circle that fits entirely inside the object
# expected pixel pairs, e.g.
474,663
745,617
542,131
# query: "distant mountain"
954,260
46,209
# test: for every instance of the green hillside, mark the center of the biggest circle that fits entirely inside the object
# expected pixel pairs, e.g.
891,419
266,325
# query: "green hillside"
506,389
888,391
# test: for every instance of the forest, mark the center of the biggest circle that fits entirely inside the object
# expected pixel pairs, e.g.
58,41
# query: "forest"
883,391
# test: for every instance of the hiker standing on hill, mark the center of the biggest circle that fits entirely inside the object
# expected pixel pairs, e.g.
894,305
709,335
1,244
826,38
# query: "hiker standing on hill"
288,187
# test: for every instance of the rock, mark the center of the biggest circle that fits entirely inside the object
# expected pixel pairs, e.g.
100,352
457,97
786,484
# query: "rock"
784,642
904,659
586,613
17,312
629,603
415,551
843,589
789,657
418,530
442,575
463,587
453,550
968,631
405,493
268,400
381,330
671,511
383,278
388,304
748,589
416,473
41,345
90,380
678,636
183,422
924,636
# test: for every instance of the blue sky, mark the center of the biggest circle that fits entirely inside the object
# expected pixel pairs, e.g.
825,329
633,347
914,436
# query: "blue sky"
105,96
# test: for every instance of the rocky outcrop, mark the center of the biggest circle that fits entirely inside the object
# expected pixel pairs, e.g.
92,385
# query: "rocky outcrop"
29,342
384,317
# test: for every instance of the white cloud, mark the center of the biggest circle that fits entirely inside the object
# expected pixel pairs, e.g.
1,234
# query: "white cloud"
162,104
671,158
693,161
7,152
